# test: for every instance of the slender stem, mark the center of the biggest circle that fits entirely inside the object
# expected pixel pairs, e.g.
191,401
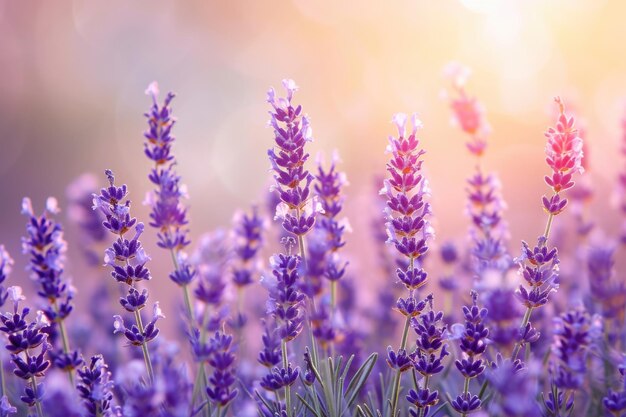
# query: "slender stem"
2,382
333,307
33,382
465,390
283,348
546,232
64,339
144,348
201,374
426,379
518,344
395,394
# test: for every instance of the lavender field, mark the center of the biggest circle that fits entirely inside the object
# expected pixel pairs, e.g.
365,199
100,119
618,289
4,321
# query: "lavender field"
427,220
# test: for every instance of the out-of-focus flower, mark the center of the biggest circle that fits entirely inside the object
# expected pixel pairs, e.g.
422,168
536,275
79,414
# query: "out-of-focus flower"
95,387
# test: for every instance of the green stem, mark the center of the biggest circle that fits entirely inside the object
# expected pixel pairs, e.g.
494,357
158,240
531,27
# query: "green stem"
65,341
144,348
426,379
465,390
518,345
395,394
33,382
2,382
200,375
283,348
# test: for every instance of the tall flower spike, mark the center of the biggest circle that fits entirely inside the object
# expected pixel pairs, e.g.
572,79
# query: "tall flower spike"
564,154
473,343
96,388
285,304
539,265
292,131
27,343
46,248
407,225
168,214
467,112
127,260
575,332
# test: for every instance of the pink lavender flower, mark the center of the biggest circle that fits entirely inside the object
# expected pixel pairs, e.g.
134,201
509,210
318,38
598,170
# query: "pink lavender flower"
564,154
467,112
292,131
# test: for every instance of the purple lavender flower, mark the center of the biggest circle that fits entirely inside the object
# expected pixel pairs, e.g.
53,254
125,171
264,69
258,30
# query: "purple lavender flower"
473,343
127,259
168,214
220,389
46,248
513,385
428,357
286,307
574,335
28,346
248,241
615,401
297,209
607,292
95,387
407,222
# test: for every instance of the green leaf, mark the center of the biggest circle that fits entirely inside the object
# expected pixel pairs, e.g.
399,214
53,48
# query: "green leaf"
359,379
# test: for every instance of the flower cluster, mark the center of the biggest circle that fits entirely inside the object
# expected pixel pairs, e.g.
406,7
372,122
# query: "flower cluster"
127,259
28,346
292,131
473,344
574,335
427,360
564,154
467,112
168,214
220,388
46,248
95,387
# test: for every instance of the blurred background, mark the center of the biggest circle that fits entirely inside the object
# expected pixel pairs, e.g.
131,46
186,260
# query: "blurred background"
74,74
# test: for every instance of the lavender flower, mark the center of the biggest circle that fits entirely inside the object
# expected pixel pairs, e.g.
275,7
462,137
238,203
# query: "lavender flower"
28,347
286,306
407,223
95,387
46,247
539,265
615,401
292,131
473,343
428,356
168,214
220,388
127,259
574,335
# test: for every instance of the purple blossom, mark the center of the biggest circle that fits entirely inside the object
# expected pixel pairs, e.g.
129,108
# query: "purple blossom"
292,130
127,260
95,387
168,215
46,248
